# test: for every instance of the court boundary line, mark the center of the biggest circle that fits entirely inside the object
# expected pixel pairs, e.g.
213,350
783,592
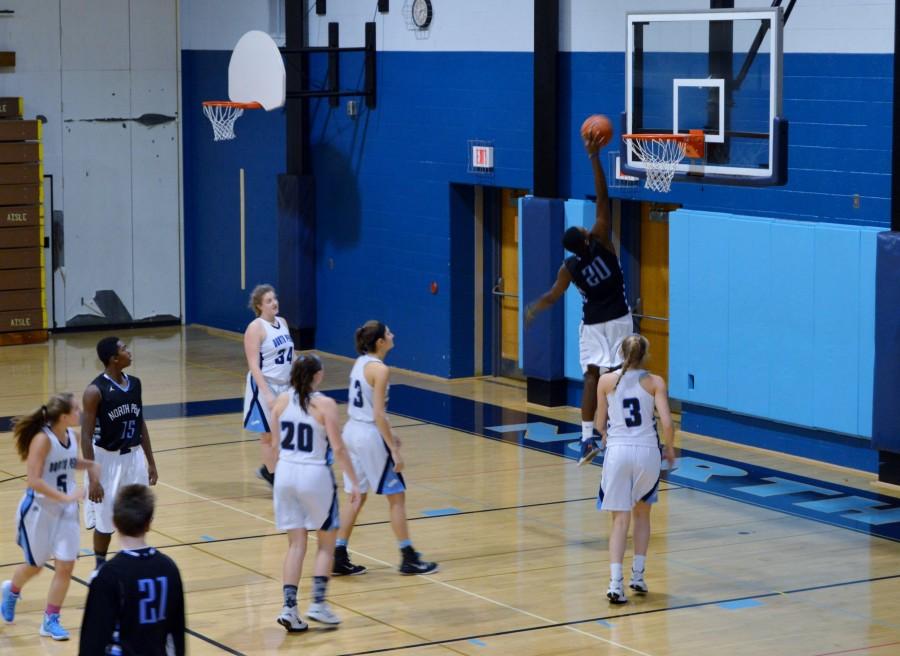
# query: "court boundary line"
428,579
638,613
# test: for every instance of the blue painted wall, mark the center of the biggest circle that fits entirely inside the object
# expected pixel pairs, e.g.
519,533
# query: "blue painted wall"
213,294
839,108
385,204
384,194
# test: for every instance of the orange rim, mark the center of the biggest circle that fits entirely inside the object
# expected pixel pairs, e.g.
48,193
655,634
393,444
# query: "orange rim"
693,140
228,103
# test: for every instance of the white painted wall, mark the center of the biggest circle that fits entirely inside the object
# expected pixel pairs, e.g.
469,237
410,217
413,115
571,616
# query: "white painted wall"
815,26
843,26
117,183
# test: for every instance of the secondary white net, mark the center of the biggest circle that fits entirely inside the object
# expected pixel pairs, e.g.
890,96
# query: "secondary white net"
222,118
660,156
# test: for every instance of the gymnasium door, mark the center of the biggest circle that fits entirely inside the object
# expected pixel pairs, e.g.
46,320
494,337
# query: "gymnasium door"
506,287
653,309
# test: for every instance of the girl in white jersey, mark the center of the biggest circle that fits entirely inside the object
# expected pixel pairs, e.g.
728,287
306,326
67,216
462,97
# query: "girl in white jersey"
47,517
305,491
270,352
375,450
632,462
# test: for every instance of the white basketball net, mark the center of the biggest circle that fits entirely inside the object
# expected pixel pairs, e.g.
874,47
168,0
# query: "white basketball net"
222,118
660,156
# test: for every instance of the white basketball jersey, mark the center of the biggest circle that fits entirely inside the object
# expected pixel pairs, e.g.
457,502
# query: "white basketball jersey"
59,467
301,439
276,353
631,418
359,400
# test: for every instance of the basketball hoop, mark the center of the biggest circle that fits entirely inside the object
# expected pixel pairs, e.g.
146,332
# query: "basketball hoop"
661,154
222,114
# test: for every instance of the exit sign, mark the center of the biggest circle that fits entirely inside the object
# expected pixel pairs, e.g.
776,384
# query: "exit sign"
483,158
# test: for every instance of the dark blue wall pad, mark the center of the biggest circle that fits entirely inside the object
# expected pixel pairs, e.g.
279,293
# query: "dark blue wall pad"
886,393
297,249
543,223
834,448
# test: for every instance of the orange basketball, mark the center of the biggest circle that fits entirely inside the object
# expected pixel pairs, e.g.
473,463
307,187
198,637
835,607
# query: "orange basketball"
597,128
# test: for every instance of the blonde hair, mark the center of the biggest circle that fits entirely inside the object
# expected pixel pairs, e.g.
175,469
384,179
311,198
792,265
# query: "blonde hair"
634,351
27,426
256,297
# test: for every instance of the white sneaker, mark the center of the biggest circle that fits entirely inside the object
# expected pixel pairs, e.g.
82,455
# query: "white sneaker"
289,620
616,592
637,582
322,612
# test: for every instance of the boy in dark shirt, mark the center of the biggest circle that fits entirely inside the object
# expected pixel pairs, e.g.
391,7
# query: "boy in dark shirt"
135,606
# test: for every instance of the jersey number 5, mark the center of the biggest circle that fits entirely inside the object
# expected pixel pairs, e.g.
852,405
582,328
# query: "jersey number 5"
303,433
633,418
152,607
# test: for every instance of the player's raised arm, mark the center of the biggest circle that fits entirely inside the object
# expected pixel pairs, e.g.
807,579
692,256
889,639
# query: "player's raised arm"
602,228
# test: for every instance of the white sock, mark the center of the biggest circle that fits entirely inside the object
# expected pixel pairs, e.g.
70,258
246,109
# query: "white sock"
587,430
615,571
639,561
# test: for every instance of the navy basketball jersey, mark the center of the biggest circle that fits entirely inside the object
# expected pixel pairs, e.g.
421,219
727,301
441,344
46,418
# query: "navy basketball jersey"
599,278
119,414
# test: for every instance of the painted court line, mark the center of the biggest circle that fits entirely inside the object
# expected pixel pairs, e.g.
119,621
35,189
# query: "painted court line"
430,579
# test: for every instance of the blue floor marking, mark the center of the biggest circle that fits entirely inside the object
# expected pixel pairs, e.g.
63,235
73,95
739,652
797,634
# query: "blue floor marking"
440,512
605,623
740,604
480,643
858,510
207,538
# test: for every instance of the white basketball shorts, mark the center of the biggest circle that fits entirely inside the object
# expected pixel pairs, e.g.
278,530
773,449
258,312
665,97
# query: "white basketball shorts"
305,496
46,532
257,414
600,344
116,471
371,460
630,474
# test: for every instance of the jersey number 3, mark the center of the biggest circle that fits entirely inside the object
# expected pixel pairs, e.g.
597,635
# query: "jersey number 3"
633,418
357,398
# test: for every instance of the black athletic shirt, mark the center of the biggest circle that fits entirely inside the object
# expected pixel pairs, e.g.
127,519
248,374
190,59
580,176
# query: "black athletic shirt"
598,276
119,414
138,593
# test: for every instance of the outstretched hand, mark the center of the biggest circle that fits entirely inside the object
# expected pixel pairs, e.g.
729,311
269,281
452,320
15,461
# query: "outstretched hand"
530,314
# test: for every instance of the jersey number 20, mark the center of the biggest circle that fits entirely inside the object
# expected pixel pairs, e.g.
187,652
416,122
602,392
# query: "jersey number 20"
296,437
596,271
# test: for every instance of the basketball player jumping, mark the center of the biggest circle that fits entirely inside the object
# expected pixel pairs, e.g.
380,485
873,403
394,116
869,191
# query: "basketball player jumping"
606,318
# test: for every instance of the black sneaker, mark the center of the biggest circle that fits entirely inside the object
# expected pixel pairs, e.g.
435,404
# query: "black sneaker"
413,563
263,474
342,565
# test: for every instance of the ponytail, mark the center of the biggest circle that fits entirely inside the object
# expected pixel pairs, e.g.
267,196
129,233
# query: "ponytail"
367,336
26,427
302,374
634,352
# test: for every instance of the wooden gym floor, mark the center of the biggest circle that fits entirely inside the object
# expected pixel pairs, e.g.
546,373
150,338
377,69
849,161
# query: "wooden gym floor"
513,524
